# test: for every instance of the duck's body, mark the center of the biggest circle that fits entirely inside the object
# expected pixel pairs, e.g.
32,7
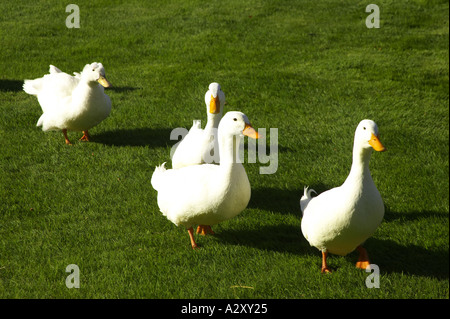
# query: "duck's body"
199,145
341,219
74,103
224,193
207,194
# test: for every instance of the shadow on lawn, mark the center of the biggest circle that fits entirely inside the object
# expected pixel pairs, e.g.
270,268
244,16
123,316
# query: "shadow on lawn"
122,89
390,256
11,85
278,238
283,201
135,137
393,257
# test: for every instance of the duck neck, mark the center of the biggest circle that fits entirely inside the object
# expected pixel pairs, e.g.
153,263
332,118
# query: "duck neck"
229,151
360,172
212,122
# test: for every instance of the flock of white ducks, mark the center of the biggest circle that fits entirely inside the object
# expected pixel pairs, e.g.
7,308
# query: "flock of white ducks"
205,187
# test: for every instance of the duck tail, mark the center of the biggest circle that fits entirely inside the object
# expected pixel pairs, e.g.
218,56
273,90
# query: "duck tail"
306,198
41,121
53,69
156,177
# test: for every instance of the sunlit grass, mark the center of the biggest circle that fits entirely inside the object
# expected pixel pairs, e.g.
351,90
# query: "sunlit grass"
311,69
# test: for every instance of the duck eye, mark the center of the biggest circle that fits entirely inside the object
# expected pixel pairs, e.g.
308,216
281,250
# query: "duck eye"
235,119
364,127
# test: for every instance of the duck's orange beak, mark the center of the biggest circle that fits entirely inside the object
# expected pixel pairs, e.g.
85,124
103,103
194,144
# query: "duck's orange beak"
104,82
376,144
214,105
250,131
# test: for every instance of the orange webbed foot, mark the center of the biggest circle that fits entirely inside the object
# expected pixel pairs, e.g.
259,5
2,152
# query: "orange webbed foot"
326,270
204,230
363,259
86,137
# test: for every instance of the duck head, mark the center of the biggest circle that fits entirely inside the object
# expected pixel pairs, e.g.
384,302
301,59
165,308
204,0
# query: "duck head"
237,123
214,99
95,72
366,136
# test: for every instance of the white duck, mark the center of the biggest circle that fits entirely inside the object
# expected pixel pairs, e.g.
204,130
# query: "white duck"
207,194
198,146
75,103
341,219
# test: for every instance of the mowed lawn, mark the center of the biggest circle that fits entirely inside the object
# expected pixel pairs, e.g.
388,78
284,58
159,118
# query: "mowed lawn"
310,69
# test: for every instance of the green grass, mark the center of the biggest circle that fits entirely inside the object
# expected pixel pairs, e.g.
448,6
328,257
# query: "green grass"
309,68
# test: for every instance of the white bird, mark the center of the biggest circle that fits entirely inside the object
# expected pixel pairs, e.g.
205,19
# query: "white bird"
339,220
75,103
199,145
207,194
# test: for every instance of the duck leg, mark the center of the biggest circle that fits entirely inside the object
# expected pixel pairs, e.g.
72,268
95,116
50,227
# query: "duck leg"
65,137
363,260
191,236
204,230
325,268
86,137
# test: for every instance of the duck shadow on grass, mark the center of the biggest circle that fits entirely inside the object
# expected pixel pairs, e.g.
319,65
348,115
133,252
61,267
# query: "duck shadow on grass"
278,238
392,257
283,201
158,137
11,85
388,255
276,200
121,89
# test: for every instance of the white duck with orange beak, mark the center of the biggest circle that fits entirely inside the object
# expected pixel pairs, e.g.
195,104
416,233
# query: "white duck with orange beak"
74,103
339,220
207,194
200,145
